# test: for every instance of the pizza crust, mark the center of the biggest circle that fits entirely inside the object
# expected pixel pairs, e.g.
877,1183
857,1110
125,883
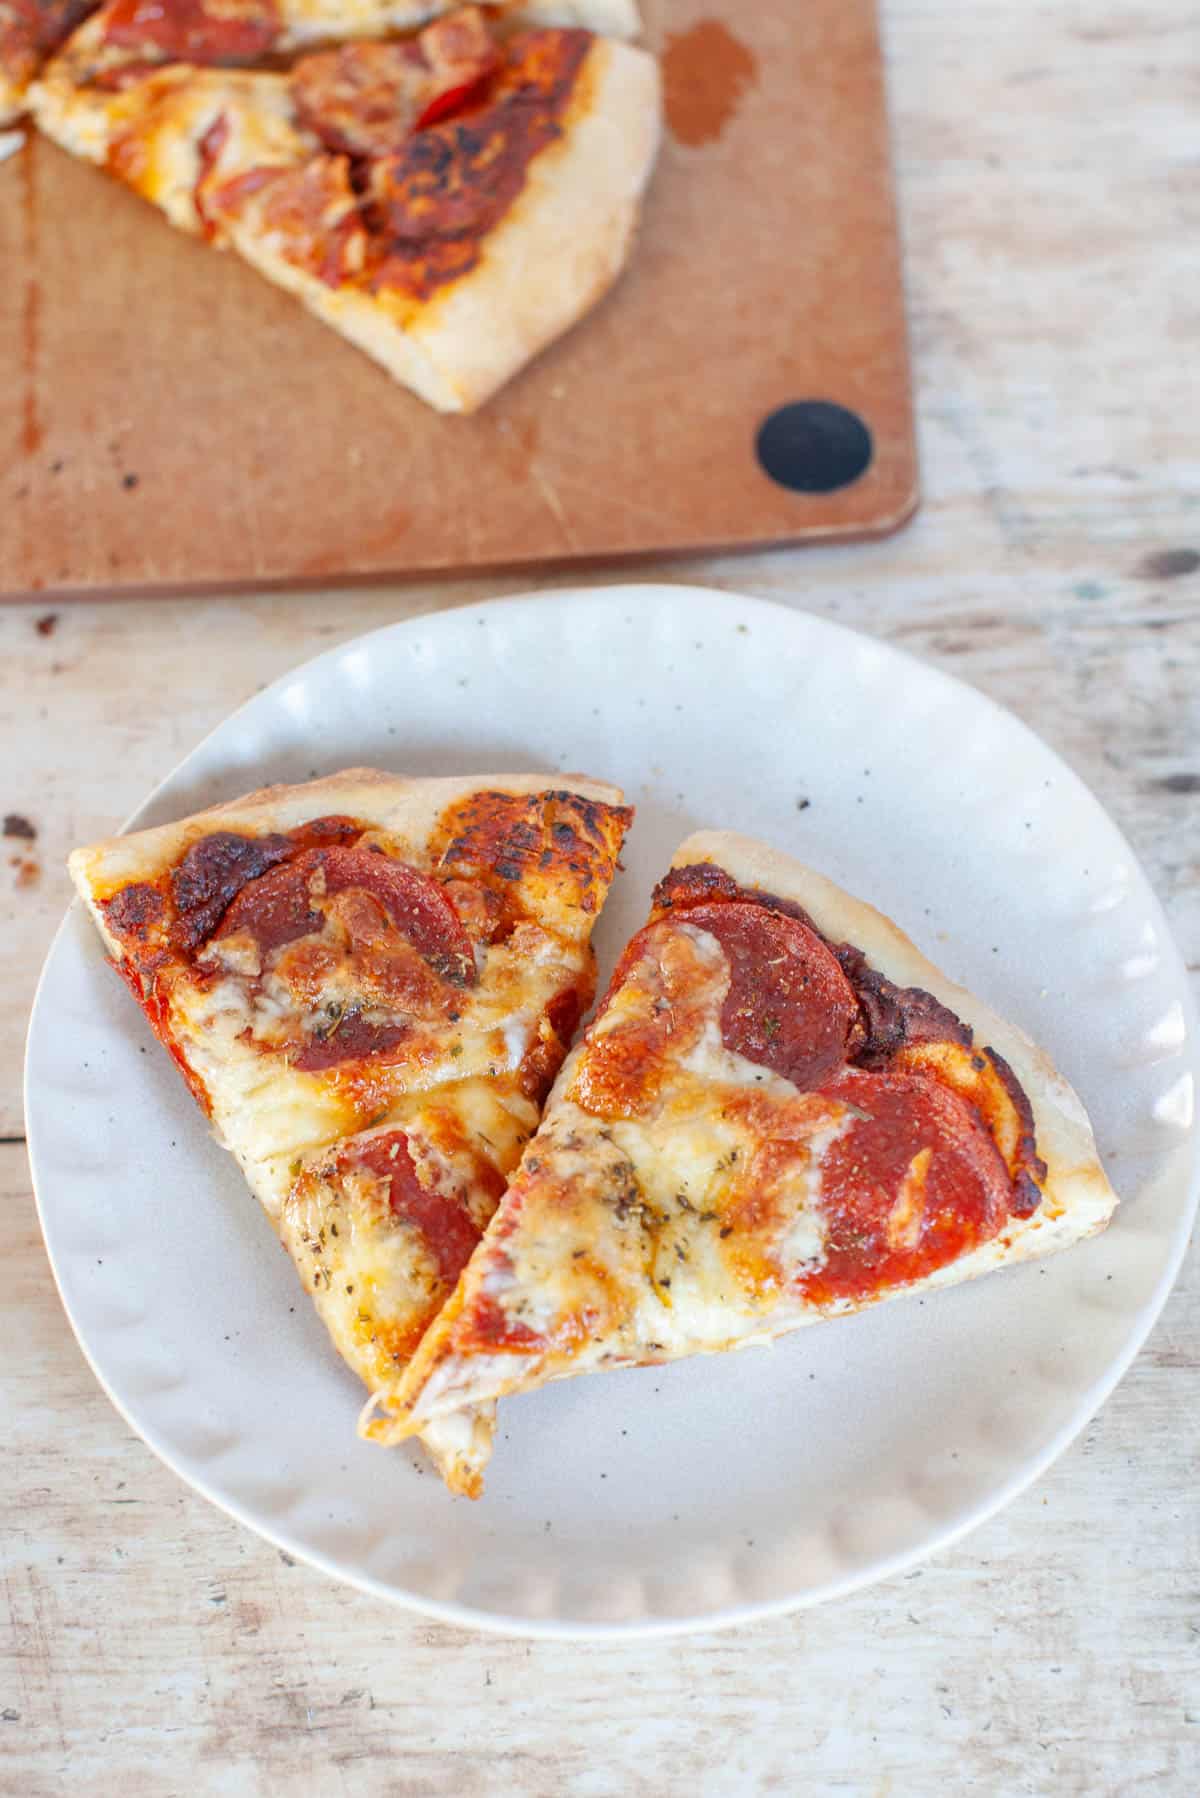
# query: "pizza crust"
407,807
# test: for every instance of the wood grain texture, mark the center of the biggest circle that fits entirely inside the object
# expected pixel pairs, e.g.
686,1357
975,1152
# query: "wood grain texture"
149,1646
202,429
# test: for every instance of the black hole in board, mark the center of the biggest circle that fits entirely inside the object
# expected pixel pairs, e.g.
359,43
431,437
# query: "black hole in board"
813,446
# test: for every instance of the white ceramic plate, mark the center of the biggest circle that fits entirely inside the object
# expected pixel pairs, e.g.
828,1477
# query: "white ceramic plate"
717,1489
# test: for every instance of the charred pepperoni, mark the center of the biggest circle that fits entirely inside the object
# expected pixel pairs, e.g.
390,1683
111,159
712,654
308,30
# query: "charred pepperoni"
135,910
213,872
789,1006
892,1016
695,884
895,1016
457,179
913,1183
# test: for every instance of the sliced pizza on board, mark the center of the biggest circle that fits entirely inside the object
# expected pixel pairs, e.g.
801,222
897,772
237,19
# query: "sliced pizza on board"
781,1113
368,984
450,201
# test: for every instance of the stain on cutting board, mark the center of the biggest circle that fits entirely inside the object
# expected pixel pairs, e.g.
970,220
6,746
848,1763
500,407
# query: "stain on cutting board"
706,73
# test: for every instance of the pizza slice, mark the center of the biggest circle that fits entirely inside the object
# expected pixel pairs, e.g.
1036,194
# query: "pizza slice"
781,1113
450,202
368,984
454,259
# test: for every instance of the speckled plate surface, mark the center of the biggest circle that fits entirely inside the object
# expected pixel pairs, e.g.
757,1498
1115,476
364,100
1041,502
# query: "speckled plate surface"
717,1489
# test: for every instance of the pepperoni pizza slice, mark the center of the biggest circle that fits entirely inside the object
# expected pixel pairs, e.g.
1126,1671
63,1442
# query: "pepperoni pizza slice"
449,201
781,1113
368,984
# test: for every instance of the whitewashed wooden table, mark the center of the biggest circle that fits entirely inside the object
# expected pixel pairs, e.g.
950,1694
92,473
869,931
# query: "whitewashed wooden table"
1048,173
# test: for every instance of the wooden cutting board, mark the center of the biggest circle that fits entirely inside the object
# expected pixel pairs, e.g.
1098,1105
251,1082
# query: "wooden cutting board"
168,421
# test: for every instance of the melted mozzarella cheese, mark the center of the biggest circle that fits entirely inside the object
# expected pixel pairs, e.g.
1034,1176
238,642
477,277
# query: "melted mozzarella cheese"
268,1112
679,1230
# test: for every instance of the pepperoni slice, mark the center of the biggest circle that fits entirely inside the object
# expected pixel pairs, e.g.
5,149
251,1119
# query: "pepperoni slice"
914,1183
490,1328
217,866
360,99
31,29
416,905
274,909
280,905
193,31
213,872
445,1226
789,1006
353,1038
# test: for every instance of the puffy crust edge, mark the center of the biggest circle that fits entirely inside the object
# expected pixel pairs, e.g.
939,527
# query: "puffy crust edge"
408,807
